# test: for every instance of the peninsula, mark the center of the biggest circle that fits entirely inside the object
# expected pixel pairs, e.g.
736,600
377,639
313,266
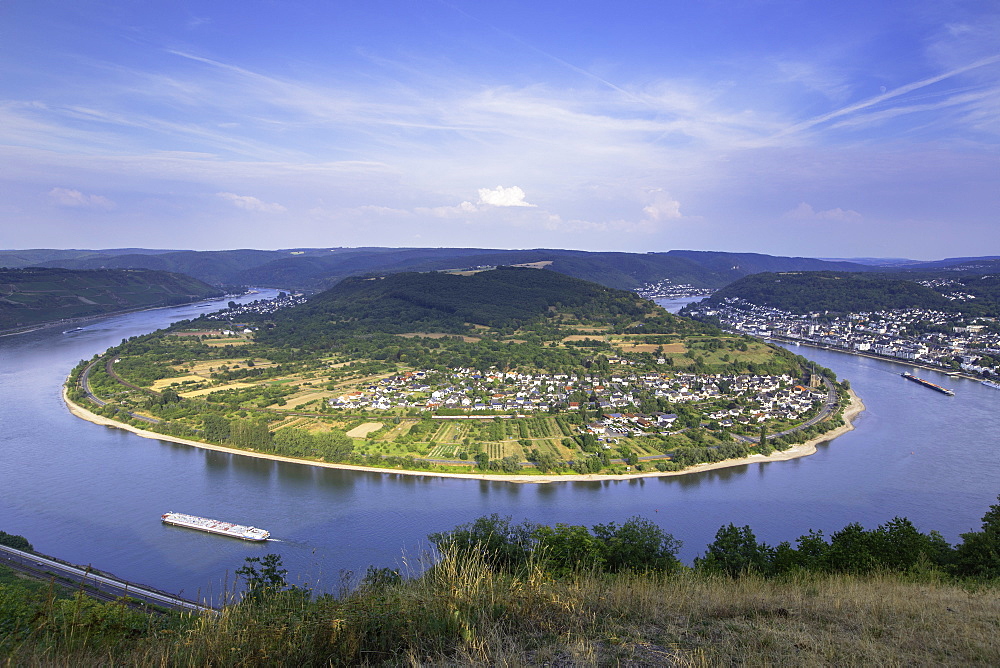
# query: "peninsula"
523,375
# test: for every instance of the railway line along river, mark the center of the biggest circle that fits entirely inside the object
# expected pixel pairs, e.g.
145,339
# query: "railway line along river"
91,494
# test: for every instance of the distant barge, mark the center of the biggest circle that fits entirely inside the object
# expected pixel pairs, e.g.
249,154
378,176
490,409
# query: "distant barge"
927,383
215,526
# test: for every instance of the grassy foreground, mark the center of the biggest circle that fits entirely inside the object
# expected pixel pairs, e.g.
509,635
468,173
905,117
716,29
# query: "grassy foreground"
464,612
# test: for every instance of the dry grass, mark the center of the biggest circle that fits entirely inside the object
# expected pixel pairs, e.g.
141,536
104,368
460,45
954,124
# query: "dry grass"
439,335
461,612
363,430
583,337
167,382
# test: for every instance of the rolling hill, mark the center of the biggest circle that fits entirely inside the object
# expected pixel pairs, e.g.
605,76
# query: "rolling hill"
34,296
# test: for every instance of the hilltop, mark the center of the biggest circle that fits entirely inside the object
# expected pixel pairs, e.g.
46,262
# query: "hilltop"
34,296
503,298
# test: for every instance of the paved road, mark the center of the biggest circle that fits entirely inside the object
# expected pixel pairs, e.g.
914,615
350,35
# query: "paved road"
103,586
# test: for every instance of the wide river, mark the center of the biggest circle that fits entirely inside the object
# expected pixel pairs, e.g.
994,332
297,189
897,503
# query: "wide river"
94,495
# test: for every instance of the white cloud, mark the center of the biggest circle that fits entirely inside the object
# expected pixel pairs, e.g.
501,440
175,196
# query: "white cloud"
76,199
498,197
805,212
252,203
662,207
501,196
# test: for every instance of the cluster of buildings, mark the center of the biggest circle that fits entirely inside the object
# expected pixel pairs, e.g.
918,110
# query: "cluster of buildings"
258,307
919,335
748,399
667,289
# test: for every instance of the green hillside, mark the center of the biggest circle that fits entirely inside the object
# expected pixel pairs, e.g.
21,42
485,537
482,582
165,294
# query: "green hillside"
373,371
34,296
506,297
804,292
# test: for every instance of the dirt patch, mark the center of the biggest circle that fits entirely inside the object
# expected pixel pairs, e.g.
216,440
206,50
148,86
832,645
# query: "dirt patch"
437,335
217,388
638,347
167,382
363,430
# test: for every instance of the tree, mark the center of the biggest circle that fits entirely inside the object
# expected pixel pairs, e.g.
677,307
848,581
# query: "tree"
250,434
215,427
735,551
504,545
979,552
15,541
265,581
568,548
638,544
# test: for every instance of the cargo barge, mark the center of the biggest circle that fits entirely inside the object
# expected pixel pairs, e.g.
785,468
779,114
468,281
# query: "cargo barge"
927,383
215,526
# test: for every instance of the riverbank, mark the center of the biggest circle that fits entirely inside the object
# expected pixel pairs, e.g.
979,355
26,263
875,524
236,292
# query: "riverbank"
85,319
800,450
913,364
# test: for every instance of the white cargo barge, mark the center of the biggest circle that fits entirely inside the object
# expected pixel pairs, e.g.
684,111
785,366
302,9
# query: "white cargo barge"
215,526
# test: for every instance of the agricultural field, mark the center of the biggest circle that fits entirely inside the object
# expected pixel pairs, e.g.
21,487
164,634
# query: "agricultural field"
603,385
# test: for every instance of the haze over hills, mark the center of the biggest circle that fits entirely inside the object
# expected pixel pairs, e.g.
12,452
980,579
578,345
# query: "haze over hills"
319,268
32,296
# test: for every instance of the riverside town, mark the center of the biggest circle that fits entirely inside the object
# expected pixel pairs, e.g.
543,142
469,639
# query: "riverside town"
928,337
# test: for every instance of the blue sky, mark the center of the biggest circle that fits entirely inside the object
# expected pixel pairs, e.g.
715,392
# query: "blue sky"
793,128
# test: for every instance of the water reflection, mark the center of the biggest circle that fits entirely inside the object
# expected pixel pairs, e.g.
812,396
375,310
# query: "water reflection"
94,495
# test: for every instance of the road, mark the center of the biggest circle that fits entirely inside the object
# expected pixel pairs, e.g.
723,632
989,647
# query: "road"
102,586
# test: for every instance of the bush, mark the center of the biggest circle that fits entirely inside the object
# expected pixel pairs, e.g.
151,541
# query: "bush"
15,541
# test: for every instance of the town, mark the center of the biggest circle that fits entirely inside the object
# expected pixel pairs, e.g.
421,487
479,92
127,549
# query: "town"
723,401
927,337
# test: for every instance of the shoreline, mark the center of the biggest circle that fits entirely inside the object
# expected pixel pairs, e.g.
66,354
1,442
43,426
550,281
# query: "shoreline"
84,319
853,409
876,356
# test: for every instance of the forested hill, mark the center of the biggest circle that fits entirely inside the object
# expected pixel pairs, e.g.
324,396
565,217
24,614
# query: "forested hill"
35,296
315,269
504,298
805,292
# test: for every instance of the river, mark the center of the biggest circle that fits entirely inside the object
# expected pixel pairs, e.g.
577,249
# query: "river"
93,495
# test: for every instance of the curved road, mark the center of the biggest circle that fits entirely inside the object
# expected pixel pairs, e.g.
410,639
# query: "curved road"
103,586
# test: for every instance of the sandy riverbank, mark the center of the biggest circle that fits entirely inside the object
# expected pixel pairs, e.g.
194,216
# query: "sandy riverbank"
800,450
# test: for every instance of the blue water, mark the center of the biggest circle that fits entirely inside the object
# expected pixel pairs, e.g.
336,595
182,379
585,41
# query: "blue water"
93,495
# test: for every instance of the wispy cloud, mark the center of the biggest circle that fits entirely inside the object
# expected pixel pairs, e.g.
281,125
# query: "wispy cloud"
68,197
250,203
805,212
884,97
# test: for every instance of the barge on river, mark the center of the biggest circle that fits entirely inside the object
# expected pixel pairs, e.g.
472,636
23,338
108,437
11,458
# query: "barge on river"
927,383
215,526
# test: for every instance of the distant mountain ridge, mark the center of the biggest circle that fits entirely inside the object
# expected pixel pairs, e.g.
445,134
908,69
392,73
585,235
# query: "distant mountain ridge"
315,269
